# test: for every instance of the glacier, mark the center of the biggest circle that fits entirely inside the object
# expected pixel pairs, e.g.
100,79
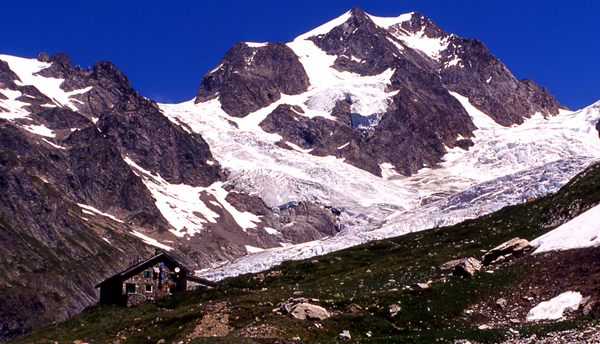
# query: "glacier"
506,165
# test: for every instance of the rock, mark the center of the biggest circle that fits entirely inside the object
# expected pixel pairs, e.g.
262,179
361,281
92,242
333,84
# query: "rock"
449,265
501,303
589,305
140,131
249,78
345,335
299,308
483,327
309,312
353,308
507,249
467,267
420,286
311,221
395,309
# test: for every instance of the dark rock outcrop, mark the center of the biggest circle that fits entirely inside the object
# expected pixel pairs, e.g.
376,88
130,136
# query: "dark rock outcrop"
136,126
490,86
108,84
108,182
250,78
7,77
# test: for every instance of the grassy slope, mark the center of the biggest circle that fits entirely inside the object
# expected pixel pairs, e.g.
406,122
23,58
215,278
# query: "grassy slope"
371,276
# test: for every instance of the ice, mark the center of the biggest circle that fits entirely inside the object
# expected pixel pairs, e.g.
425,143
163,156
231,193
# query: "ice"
471,203
582,231
554,308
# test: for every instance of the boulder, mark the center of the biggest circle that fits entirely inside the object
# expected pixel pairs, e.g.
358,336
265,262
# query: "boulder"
449,265
467,267
345,335
420,286
501,303
307,311
507,249
299,308
395,309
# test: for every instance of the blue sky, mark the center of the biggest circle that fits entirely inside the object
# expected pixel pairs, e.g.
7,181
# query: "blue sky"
165,47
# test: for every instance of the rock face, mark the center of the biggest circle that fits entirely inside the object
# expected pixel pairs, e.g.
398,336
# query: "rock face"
251,77
422,117
141,132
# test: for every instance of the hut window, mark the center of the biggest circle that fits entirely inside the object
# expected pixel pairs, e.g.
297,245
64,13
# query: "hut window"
147,273
148,288
130,288
172,290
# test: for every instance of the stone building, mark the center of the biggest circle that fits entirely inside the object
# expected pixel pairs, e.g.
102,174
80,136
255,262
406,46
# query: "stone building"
151,279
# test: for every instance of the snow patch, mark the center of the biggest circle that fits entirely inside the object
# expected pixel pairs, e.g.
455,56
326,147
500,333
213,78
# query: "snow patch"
554,308
325,28
183,206
150,241
271,231
582,231
252,249
344,145
39,130
386,22
256,45
86,209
